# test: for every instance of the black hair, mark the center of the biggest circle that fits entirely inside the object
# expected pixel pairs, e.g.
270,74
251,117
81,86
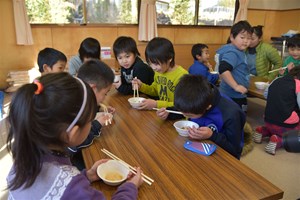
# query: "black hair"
125,44
241,26
197,49
50,57
89,48
38,121
96,72
295,72
294,41
258,30
160,51
193,94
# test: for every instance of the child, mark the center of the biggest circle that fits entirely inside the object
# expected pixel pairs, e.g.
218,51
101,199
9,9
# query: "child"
233,67
160,55
220,119
282,110
100,78
201,56
293,45
51,60
132,66
58,113
89,48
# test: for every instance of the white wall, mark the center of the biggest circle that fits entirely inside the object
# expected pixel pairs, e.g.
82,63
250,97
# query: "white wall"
274,4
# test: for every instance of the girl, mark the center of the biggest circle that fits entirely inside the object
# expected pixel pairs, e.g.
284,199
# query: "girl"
160,55
45,117
127,55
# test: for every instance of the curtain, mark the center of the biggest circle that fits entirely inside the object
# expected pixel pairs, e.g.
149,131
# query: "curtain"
23,29
147,22
242,12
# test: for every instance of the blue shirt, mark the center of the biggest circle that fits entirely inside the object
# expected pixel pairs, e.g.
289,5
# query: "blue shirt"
198,68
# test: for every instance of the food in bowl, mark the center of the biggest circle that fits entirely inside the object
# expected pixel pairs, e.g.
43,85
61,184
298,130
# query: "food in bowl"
261,85
106,116
183,125
112,172
135,102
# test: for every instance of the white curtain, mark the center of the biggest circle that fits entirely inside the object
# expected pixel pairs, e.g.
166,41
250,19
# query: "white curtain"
242,12
23,29
147,23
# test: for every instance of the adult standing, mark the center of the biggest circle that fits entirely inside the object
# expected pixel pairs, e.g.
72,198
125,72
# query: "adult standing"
262,57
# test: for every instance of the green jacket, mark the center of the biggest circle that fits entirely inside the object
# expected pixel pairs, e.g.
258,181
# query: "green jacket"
266,56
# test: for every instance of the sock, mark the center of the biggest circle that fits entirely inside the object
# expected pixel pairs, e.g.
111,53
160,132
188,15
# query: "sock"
272,145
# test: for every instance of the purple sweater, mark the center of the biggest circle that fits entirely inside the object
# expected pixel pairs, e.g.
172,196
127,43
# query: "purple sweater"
58,179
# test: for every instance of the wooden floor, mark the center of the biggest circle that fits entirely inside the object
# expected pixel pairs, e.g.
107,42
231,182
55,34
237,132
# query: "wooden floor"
282,169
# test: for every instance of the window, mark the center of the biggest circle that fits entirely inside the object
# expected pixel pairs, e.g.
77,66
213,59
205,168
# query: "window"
211,12
73,11
169,12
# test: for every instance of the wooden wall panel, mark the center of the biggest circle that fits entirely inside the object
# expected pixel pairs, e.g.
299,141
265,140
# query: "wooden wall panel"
198,35
289,20
256,17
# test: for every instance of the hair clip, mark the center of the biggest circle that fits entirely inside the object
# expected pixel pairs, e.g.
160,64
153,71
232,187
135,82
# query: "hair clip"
39,87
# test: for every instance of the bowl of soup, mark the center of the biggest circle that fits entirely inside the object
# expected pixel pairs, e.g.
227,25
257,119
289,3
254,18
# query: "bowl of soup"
135,102
183,125
112,172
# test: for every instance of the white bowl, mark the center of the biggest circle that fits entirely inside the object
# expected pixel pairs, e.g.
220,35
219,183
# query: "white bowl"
112,172
135,102
181,127
214,72
261,85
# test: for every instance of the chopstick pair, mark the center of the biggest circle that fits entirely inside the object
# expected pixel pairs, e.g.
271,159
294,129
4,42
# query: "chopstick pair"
170,111
136,90
277,69
106,113
146,178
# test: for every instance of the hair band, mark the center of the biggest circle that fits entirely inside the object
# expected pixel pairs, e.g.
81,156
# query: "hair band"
82,106
39,87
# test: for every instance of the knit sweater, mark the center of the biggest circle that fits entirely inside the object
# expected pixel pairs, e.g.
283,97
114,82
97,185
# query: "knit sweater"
266,56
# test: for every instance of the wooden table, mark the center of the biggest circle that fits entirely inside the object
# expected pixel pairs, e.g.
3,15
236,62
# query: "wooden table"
140,138
253,91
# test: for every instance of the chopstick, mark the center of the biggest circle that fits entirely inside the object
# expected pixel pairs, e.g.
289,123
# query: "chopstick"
136,90
277,69
170,111
147,179
106,113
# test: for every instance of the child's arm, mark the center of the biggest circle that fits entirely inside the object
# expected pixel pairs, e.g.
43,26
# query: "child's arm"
228,78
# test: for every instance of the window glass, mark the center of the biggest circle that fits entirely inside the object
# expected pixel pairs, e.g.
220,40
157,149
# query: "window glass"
216,12
54,11
112,11
175,12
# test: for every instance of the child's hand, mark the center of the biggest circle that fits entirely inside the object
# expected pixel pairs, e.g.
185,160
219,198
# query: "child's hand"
102,119
241,89
136,179
290,66
92,173
111,110
162,113
117,84
201,133
148,104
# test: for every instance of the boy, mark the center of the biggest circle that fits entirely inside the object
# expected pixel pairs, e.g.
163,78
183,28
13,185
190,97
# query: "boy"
132,65
220,120
51,60
293,45
233,67
100,77
201,57
89,48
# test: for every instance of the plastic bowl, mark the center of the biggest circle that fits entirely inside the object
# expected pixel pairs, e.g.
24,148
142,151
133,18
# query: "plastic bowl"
135,102
181,127
117,78
112,172
261,85
108,115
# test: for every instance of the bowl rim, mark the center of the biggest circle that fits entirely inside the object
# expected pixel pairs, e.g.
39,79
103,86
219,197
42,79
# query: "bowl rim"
194,123
110,181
